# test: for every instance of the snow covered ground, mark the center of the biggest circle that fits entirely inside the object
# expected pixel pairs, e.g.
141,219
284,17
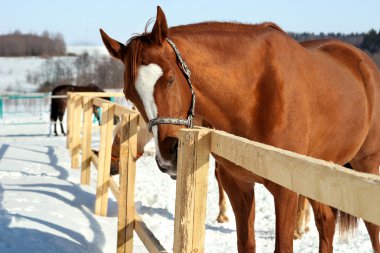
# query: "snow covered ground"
43,208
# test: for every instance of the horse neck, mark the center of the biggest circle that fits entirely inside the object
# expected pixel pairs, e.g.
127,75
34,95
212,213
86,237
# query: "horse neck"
208,59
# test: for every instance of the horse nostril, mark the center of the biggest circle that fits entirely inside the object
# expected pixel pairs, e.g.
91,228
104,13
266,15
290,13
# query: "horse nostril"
175,146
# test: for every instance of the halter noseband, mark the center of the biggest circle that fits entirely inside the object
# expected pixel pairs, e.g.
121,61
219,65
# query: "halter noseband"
174,121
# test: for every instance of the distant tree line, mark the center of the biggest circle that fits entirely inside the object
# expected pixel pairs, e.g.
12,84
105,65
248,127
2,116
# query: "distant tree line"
369,41
46,44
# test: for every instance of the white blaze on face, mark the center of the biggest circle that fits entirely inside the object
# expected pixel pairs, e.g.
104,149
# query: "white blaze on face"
147,77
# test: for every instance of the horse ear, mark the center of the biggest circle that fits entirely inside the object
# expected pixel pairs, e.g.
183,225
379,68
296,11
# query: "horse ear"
160,28
114,47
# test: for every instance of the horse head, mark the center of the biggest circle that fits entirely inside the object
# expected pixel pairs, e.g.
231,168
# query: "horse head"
157,86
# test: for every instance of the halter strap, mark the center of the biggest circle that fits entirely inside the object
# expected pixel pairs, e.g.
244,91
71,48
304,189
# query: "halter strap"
186,122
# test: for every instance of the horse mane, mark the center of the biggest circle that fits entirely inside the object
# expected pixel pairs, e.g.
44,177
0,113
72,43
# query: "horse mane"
213,26
132,52
133,56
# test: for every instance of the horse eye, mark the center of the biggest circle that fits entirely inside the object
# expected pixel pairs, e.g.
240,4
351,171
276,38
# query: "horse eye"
170,81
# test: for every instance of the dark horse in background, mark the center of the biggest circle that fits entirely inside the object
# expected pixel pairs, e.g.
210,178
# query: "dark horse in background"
58,105
319,98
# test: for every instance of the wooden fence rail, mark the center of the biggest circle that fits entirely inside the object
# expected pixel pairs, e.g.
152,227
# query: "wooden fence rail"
352,192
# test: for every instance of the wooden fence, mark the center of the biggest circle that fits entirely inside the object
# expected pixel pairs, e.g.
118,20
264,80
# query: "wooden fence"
350,191
133,134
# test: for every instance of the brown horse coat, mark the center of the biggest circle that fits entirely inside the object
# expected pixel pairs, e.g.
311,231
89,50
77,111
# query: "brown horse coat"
319,98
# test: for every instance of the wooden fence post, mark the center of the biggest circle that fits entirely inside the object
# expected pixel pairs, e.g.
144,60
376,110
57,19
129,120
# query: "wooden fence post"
101,203
86,140
144,137
191,192
75,131
126,205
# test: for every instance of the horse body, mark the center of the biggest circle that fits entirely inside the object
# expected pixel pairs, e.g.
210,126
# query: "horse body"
277,97
58,105
318,98
291,105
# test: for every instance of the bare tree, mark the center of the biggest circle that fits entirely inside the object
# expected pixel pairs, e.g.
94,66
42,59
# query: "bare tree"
109,72
85,69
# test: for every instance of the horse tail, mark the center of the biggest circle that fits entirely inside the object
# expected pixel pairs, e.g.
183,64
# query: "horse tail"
53,110
347,224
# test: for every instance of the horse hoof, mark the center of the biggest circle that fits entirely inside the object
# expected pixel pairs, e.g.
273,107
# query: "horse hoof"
297,235
222,218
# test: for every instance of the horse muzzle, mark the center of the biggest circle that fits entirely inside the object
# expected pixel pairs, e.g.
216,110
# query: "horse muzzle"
168,167
168,163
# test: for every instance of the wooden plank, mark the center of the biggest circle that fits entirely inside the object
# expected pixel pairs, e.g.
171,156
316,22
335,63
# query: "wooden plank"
94,160
86,141
75,131
107,160
143,137
122,245
101,202
191,190
120,110
347,190
126,210
151,243
100,101
100,94
114,189
73,121
113,185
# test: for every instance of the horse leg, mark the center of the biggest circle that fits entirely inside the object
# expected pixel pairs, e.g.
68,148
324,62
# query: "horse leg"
222,217
62,130
285,202
303,215
55,128
307,215
325,217
242,199
60,123
373,231
369,164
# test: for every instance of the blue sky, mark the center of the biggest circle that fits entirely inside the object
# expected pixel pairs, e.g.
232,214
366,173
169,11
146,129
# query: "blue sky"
79,20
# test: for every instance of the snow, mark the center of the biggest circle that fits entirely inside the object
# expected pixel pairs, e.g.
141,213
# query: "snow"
93,49
43,208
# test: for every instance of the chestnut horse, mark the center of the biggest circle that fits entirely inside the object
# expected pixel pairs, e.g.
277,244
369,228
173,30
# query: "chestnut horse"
321,99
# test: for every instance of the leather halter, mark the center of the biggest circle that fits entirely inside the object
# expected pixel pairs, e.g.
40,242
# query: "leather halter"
174,121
